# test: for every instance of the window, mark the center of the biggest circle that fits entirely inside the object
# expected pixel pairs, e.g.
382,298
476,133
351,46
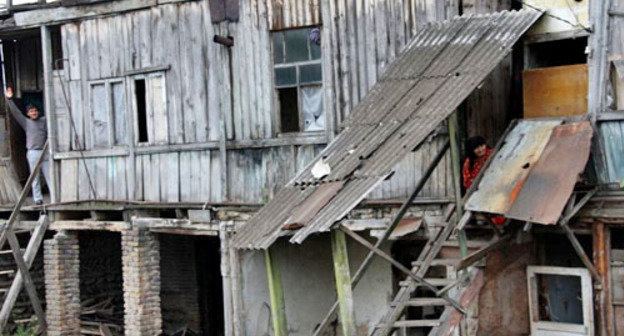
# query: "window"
108,113
150,104
560,300
298,79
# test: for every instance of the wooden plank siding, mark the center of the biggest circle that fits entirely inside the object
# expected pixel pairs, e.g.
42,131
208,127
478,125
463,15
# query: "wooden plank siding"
359,38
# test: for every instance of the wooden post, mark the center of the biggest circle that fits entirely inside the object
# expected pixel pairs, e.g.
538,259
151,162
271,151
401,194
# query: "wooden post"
343,283
604,306
48,102
581,253
276,294
455,162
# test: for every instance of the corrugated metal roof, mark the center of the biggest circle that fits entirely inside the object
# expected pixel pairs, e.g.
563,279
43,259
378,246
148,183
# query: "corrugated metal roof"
438,69
534,173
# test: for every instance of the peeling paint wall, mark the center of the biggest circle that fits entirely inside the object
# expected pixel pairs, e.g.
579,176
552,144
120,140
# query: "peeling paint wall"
308,281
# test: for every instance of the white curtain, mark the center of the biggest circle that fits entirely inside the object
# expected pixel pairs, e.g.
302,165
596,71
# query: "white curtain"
312,108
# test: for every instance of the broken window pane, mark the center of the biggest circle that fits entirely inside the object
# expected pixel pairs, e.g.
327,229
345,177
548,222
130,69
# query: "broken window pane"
312,108
278,48
296,45
286,76
289,109
310,73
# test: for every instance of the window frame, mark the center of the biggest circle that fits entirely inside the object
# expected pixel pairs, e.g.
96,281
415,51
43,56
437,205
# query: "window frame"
540,327
110,118
298,85
131,79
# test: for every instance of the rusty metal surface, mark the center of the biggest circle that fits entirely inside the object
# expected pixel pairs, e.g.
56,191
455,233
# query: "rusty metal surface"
555,91
551,181
405,227
503,180
305,211
439,68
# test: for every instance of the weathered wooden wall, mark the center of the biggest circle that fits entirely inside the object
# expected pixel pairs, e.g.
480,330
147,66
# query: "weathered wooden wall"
358,39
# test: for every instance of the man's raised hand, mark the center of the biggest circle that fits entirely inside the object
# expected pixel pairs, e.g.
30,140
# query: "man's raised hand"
9,92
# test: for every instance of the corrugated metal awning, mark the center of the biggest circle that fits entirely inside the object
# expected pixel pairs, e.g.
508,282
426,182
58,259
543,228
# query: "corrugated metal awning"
438,69
533,175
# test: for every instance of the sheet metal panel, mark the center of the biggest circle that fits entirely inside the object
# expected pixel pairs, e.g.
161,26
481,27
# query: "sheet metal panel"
551,181
503,180
439,68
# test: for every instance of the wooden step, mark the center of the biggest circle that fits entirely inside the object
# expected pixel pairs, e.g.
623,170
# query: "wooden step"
474,244
439,262
413,324
424,302
416,323
7,272
432,281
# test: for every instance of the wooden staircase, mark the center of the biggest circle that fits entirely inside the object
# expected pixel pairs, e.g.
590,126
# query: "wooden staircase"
437,269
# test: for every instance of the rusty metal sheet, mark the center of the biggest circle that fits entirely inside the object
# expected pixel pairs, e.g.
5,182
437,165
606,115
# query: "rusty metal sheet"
305,211
551,181
405,227
503,180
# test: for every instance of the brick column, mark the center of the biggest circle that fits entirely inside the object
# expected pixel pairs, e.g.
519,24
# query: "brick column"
62,284
141,282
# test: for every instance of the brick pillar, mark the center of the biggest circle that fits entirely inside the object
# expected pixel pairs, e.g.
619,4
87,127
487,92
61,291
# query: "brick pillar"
141,282
62,284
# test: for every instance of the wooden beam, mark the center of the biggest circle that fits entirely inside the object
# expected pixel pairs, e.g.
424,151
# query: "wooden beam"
604,306
28,282
276,295
48,106
29,256
64,14
477,255
342,276
581,253
453,129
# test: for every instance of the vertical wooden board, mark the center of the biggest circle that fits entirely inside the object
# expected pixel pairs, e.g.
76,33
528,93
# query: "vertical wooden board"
103,40
120,185
92,60
75,114
84,170
139,178
371,47
130,172
345,60
157,109
151,175
331,65
144,21
196,173
186,181
254,72
101,177
266,74
121,115
62,132
193,73
69,179
83,98
381,36
111,176
99,110
216,187
166,51
212,85
204,179
71,49
245,73
170,182
228,104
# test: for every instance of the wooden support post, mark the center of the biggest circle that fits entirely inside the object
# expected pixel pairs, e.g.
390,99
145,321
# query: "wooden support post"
343,283
455,162
604,307
276,294
581,253
48,100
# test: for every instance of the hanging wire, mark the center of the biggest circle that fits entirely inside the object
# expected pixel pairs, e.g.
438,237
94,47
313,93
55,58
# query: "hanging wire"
73,126
574,25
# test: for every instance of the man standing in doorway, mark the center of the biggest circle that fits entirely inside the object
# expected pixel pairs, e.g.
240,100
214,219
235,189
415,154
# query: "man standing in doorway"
36,135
